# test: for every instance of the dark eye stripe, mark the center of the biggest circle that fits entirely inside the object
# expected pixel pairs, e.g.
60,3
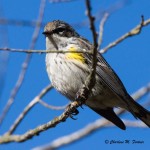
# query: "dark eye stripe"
64,32
58,30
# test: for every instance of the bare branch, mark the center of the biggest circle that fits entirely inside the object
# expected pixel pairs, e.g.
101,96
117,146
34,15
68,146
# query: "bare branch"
41,51
92,127
14,90
6,138
147,104
101,28
137,95
88,84
28,108
89,129
137,124
24,65
141,92
4,21
83,93
131,123
133,32
74,136
51,106
81,133
74,104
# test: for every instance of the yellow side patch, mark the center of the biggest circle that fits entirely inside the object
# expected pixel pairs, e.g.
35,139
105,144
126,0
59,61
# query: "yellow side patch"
76,56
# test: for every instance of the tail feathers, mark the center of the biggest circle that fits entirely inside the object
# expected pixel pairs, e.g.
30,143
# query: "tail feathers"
109,114
140,112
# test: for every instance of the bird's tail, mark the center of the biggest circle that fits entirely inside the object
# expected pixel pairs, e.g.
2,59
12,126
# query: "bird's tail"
109,114
139,112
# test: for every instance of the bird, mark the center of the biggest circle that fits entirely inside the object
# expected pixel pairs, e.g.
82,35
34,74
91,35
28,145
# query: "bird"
68,72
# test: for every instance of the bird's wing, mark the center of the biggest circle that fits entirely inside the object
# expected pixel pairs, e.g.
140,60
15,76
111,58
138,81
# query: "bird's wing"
111,80
105,72
109,77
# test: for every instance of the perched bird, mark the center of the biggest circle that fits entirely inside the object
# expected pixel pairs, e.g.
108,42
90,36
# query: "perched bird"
68,72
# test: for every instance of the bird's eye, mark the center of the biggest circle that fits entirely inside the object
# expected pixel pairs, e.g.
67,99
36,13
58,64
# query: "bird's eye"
63,32
59,31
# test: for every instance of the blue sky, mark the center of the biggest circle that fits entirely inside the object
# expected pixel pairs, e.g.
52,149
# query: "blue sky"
129,59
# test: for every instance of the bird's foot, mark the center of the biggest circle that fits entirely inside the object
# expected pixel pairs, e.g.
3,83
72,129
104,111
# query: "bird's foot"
81,97
71,109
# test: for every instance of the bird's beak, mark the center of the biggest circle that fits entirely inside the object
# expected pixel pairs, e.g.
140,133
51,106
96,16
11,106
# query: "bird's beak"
49,35
53,41
45,33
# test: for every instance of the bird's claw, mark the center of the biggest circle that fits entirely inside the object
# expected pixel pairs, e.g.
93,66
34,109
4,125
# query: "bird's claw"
80,98
71,111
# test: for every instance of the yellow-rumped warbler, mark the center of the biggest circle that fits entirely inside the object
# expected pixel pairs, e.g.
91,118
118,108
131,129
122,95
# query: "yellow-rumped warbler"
68,72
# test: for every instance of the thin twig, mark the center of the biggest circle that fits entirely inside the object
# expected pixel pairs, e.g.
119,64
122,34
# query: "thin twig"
81,133
135,31
101,28
83,93
113,8
25,64
89,129
3,55
4,21
137,95
92,127
41,51
74,104
30,134
6,138
147,104
84,132
28,108
51,106
129,123
141,92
